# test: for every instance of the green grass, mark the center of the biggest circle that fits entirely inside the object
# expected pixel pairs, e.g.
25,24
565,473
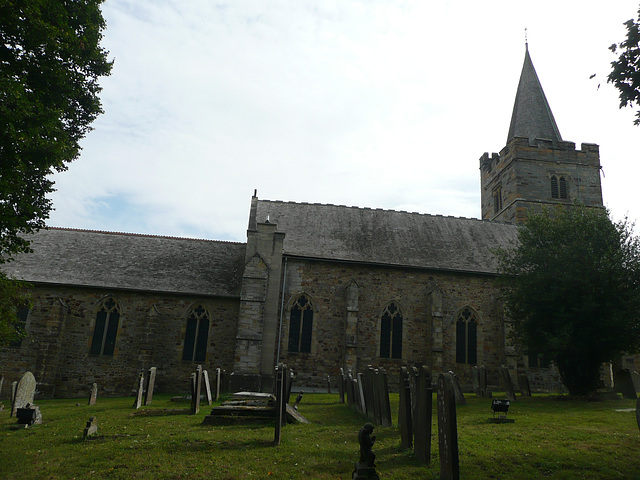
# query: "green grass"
551,438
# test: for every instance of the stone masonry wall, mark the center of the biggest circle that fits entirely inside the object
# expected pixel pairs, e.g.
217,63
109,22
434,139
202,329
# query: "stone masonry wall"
150,333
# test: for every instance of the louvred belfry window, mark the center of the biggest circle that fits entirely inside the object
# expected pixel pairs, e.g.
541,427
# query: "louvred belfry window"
106,328
300,326
554,187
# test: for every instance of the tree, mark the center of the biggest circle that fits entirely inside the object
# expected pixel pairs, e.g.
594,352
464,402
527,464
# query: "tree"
625,72
50,62
572,288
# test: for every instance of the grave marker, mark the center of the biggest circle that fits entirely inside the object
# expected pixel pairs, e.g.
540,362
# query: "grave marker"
383,392
94,394
359,393
405,422
280,403
460,400
424,402
196,387
91,428
623,383
138,401
14,388
447,429
523,383
207,387
218,382
25,391
151,383
505,376
341,385
638,412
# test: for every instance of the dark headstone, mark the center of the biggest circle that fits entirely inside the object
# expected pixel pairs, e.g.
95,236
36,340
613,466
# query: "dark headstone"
475,378
207,387
635,376
424,402
523,383
341,385
405,422
623,383
482,377
328,384
1,383
375,396
383,394
25,391
280,385
365,468
447,429
29,415
348,391
91,428
638,412
505,378
413,386
460,400
218,383
138,401
94,394
151,383
289,385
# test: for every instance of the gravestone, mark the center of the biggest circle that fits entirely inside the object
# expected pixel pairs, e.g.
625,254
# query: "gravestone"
196,387
623,383
29,415
14,388
405,422
151,383
91,428
422,432
383,392
638,412
25,391
635,376
328,384
414,378
460,400
94,394
297,402
138,401
280,385
207,387
475,378
341,385
1,383
359,393
523,383
218,382
505,377
369,393
482,377
348,391
447,429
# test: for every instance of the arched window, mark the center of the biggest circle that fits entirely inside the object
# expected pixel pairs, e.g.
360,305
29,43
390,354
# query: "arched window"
467,337
391,332
196,336
554,187
563,188
301,325
497,200
106,329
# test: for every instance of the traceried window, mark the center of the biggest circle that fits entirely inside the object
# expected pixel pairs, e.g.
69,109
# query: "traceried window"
300,326
559,187
391,332
106,329
554,187
197,335
467,337
20,325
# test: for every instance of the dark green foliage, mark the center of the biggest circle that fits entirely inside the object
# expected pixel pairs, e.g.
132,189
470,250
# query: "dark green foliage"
12,298
572,287
50,61
625,72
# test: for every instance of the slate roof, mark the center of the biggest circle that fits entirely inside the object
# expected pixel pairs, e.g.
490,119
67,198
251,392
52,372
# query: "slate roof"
386,237
532,117
136,262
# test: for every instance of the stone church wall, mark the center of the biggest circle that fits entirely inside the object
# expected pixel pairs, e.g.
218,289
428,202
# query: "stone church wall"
151,332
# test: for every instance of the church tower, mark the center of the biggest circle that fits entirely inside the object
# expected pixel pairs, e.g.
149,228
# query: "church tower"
536,168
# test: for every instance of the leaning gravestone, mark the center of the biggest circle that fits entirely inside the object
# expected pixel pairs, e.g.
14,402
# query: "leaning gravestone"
405,421
151,383
196,387
138,401
507,383
1,383
523,383
218,382
25,391
359,395
14,387
460,400
207,387
94,394
341,384
623,383
447,429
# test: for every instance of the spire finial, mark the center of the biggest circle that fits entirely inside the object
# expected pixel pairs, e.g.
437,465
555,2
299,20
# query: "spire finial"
526,40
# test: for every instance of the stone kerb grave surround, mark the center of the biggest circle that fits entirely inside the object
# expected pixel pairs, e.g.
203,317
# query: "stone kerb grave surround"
24,393
447,429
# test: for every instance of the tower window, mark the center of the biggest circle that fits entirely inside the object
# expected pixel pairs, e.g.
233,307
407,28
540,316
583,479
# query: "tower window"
554,187
497,200
563,187
467,337
391,332
106,329
300,326
196,336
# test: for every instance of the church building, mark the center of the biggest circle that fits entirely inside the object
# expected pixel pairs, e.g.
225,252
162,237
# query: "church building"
318,287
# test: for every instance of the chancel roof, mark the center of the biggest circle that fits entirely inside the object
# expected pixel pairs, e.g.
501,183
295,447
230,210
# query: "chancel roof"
532,117
387,237
136,262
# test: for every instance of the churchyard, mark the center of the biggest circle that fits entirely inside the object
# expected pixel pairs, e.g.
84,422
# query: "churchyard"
552,437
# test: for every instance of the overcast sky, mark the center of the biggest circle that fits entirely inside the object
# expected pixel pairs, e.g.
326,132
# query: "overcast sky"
377,103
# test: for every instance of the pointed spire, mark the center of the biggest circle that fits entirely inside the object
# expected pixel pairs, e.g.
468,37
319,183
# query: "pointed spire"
532,116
